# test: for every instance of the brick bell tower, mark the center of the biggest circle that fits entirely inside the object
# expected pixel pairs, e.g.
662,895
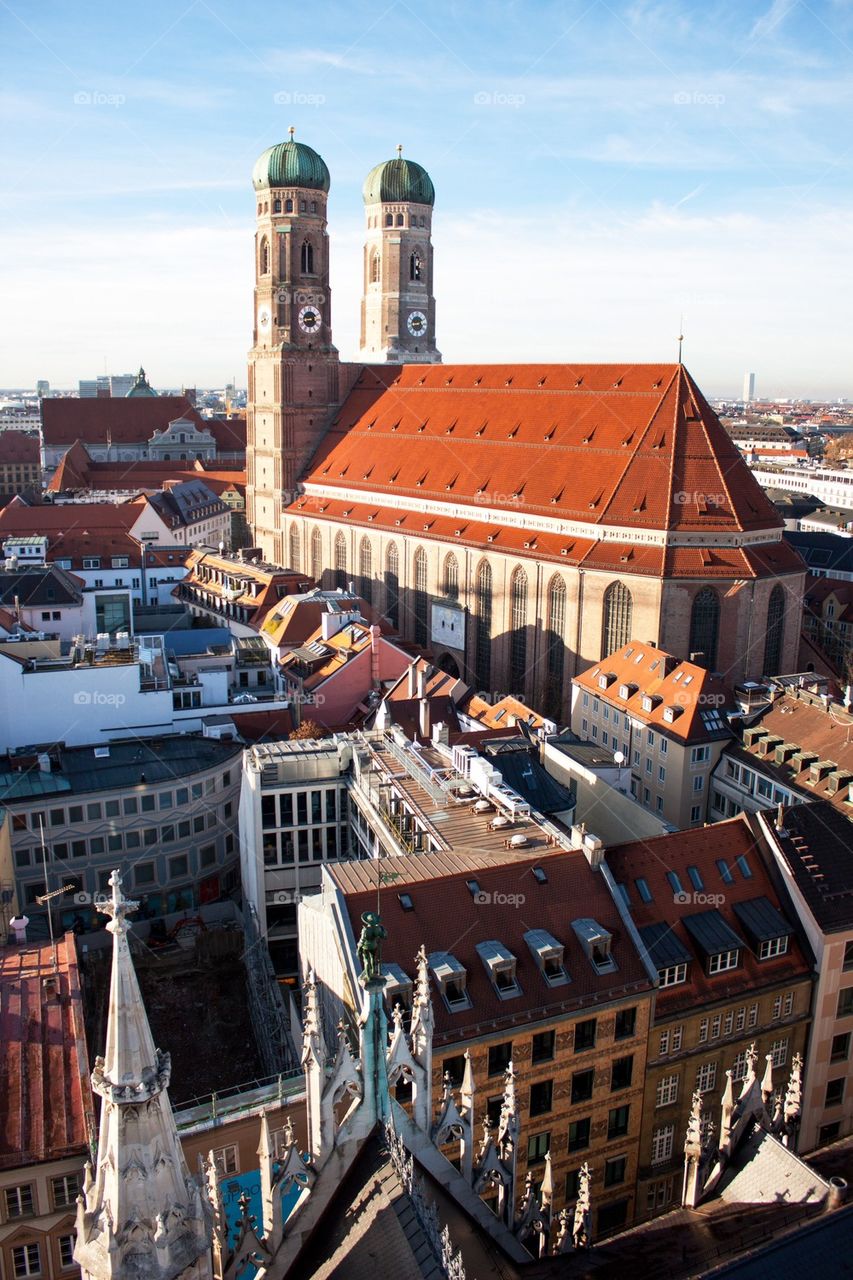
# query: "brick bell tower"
293,365
398,306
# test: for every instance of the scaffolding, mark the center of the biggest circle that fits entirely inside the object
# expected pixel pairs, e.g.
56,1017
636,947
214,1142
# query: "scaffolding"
267,1009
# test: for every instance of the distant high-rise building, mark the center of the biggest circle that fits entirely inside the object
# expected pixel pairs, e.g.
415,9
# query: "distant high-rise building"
42,387
748,388
121,383
107,384
87,388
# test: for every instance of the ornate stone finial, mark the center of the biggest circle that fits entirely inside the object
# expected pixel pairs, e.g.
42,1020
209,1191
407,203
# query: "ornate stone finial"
370,947
751,1059
117,906
767,1082
693,1141
546,1189
508,1126
794,1091
310,1022
289,1136
292,132
486,1140
399,150
581,1231
564,1239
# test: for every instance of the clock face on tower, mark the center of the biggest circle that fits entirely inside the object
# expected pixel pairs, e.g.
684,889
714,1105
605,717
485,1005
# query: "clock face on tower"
416,324
264,320
309,320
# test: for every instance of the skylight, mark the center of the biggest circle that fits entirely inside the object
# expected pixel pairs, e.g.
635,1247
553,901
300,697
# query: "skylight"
743,866
643,889
725,873
674,882
695,878
539,875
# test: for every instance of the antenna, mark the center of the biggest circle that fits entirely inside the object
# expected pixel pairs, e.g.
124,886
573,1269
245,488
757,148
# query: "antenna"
680,335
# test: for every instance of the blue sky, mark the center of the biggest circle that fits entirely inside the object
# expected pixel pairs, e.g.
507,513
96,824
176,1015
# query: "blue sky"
601,168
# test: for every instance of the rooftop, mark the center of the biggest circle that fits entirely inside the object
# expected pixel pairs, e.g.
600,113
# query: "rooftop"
122,420
816,847
806,743
687,892
45,1095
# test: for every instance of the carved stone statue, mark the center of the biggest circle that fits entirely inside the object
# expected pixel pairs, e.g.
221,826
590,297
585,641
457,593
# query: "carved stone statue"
370,946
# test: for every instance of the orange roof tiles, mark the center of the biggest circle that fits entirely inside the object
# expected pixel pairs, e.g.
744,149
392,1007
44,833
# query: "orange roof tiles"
687,702
702,848
45,1094
633,445
18,446
825,731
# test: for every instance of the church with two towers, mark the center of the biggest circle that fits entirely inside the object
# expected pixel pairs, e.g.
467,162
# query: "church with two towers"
520,522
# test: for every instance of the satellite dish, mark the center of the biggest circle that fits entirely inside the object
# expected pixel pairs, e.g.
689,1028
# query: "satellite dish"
619,757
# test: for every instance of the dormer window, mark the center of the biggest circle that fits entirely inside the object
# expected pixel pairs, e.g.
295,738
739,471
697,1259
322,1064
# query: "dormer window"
596,942
766,928
723,960
672,975
500,965
398,986
548,954
716,939
452,980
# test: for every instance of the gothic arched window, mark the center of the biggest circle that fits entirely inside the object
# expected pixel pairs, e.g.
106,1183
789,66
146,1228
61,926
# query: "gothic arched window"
316,555
340,560
276,206
294,547
518,634
392,585
451,577
389,219
365,569
375,267
556,649
288,206
420,598
617,618
705,627
775,631
265,257
415,266
400,220
483,649
307,262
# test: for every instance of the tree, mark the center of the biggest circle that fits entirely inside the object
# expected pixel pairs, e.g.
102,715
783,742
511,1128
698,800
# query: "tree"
309,729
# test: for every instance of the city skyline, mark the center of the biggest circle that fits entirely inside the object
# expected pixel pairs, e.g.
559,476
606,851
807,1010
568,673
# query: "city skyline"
600,173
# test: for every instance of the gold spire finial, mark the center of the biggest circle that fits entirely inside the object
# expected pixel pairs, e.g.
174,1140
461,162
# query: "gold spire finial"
291,131
680,337
399,150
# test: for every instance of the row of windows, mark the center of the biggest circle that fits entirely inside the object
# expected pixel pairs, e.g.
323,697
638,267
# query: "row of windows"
288,205
398,220
96,810
118,841
289,809
580,1134
667,1090
145,874
316,845
20,1201
27,1258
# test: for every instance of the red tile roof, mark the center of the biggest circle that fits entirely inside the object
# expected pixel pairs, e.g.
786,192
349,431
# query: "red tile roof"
17,446
45,1094
131,420
695,699
77,470
631,445
445,917
702,847
802,720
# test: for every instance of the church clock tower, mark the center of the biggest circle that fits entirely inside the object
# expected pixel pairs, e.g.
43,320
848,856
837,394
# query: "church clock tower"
398,306
293,365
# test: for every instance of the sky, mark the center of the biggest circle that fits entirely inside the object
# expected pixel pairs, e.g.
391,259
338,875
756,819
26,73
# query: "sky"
602,169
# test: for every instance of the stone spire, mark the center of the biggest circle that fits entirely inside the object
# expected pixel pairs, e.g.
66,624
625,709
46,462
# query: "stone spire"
420,1038
142,1213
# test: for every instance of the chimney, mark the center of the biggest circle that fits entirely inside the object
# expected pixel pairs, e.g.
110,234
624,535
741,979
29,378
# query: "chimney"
421,682
330,624
441,734
779,824
837,1193
412,679
423,717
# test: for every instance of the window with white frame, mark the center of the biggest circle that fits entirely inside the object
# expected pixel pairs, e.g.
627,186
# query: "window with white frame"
777,1006
788,1004
723,961
740,1019
664,746
19,1201
728,1023
672,975
703,1031
698,783
772,947
739,1066
227,1160
677,1034
706,1076
65,1190
662,1142
779,1052
26,1260
66,1252
700,755
667,1091
716,1023
663,1048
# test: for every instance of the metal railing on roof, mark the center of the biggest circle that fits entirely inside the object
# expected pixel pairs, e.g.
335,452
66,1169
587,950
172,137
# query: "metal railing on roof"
432,780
